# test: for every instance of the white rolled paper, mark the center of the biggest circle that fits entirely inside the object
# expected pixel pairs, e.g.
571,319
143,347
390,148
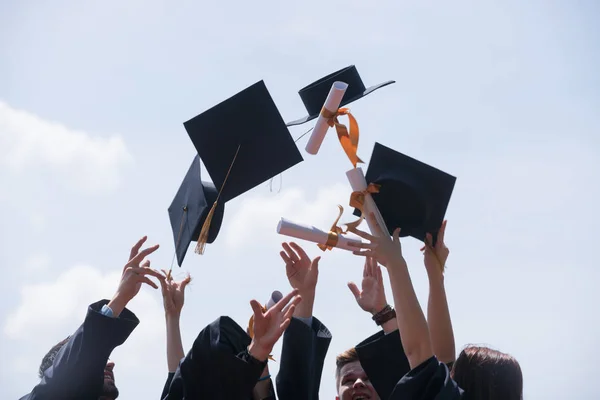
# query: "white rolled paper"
312,234
332,104
275,297
357,180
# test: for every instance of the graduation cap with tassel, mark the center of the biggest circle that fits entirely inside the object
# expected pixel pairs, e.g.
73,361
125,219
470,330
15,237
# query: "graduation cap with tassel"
242,142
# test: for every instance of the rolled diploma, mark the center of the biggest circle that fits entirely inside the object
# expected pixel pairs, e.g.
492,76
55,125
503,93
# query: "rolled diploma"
312,234
357,180
332,104
275,297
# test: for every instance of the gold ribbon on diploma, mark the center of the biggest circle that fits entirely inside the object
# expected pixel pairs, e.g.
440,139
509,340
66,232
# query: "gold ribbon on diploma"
357,200
334,232
348,137
250,329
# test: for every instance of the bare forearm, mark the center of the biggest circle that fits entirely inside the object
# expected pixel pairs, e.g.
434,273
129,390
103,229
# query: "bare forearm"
390,326
411,321
305,308
438,319
174,344
262,389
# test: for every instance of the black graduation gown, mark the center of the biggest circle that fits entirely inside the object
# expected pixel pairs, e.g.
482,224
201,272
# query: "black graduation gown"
429,381
217,367
302,357
78,370
383,359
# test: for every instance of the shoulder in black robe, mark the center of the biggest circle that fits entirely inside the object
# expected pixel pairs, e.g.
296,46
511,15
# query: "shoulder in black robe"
383,359
217,367
429,381
302,358
78,370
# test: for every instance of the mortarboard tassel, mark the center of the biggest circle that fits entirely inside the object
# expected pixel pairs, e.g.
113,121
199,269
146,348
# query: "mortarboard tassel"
203,237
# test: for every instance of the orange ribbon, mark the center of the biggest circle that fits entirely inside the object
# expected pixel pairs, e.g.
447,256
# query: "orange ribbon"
334,232
250,329
348,137
357,200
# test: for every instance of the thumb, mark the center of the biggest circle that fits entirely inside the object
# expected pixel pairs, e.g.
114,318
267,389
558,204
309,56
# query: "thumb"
185,282
354,289
257,309
314,265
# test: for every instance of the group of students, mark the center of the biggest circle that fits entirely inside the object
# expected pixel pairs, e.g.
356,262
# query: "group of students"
410,358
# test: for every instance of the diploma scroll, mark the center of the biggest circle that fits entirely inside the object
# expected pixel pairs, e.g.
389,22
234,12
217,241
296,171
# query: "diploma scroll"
357,180
338,89
315,235
275,297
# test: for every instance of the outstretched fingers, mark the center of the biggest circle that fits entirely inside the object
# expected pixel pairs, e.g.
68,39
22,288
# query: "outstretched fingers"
136,247
143,254
362,234
284,301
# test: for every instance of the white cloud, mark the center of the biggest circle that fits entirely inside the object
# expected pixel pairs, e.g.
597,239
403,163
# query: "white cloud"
36,264
258,216
58,307
28,141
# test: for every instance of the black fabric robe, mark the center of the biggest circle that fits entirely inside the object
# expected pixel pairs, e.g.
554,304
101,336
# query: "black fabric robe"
302,358
383,359
78,370
429,381
217,367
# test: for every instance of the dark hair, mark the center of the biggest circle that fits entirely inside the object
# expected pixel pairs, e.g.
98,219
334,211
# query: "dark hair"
48,359
344,358
487,374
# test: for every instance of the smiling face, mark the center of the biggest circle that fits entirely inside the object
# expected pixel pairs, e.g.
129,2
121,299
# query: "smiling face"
353,383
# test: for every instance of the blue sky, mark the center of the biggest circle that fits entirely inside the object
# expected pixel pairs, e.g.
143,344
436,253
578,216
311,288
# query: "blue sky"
503,95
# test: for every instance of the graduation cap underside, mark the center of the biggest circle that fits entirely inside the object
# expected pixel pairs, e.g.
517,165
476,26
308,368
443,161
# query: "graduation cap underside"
189,210
249,129
413,195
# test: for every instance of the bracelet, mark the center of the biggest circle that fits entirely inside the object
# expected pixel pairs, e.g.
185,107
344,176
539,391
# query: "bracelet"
264,378
385,315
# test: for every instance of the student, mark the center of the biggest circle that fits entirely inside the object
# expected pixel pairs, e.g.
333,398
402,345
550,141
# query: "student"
78,367
478,373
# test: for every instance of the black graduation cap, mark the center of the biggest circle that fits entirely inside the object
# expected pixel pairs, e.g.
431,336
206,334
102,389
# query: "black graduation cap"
248,121
314,95
189,210
413,195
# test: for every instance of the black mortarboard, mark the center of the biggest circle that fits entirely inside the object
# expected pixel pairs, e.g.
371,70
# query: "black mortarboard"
314,95
251,121
189,210
413,195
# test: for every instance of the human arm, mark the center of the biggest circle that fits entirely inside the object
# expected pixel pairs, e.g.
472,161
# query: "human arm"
372,296
411,321
173,294
306,341
77,369
438,313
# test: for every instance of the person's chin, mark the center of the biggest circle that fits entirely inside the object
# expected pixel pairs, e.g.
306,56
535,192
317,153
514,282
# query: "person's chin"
109,390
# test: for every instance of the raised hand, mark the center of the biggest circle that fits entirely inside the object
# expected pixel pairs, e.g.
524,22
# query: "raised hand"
372,296
435,256
385,250
270,325
134,275
173,294
302,272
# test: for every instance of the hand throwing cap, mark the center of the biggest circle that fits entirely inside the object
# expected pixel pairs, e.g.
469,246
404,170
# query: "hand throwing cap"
413,196
314,95
189,210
